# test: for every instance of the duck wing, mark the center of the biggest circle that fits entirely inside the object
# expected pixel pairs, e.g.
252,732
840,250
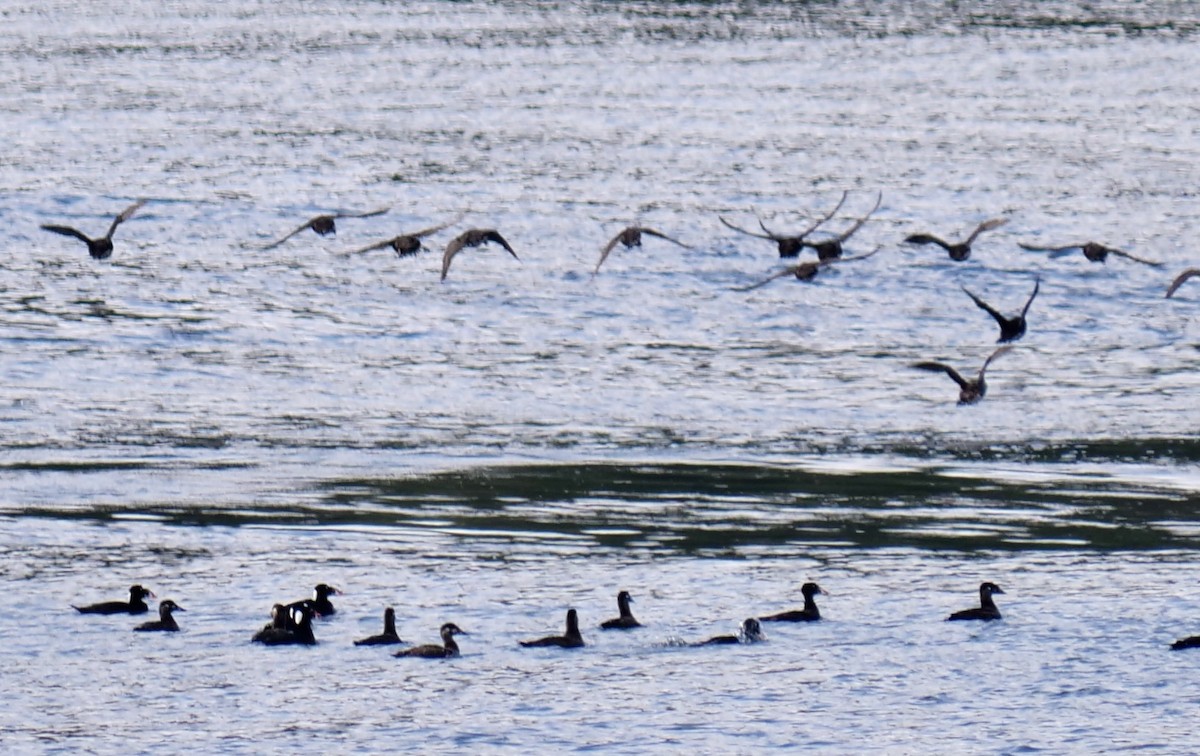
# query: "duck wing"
1179,280
986,307
607,248
369,214
859,223
661,235
68,231
369,248
1037,284
307,225
790,271
434,229
747,233
927,239
125,215
1128,256
987,225
943,368
1001,351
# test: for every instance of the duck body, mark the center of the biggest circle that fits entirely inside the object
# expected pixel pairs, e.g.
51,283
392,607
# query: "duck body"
751,632
135,605
571,639
448,649
986,611
297,632
165,622
810,612
388,637
626,619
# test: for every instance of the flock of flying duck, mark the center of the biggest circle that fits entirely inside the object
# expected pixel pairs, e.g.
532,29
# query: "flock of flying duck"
292,624
829,249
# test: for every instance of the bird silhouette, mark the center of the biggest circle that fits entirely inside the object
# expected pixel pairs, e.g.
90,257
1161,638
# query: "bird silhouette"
1093,251
1012,328
959,251
970,390
632,237
805,271
472,238
792,245
1180,279
405,245
99,249
324,225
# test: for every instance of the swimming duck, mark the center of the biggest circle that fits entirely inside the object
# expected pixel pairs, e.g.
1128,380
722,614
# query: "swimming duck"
626,620
135,605
632,237
751,632
810,612
959,251
472,238
279,622
805,271
1093,251
1012,328
1180,279
99,249
571,639
388,637
971,390
298,630
165,621
321,605
405,245
324,225
987,608
432,651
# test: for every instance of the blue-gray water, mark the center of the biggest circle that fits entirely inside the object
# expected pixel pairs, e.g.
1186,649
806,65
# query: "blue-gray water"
230,426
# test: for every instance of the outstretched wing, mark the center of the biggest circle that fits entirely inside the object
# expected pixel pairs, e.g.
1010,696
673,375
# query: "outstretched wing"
607,248
785,272
1055,250
1179,280
434,229
987,225
369,248
859,223
1037,284
744,231
494,236
937,367
833,260
453,248
370,214
821,221
986,307
661,235
927,239
304,227
68,231
1128,256
125,215
1002,350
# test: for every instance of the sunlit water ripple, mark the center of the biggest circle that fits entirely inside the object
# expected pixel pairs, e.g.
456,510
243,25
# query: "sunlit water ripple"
231,425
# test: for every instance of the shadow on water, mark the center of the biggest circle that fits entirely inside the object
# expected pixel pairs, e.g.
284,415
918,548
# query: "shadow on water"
973,502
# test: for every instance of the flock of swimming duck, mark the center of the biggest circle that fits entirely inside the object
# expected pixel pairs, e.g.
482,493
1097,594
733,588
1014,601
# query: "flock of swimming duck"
292,624
829,249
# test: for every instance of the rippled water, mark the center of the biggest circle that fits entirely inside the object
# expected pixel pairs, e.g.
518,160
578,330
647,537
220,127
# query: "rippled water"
230,425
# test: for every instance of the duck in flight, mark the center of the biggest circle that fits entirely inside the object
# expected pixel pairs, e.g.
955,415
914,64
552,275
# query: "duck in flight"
805,271
102,248
405,245
1093,251
971,389
472,238
1012,328
632,237
324,225
959,251
1180,279
826,249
